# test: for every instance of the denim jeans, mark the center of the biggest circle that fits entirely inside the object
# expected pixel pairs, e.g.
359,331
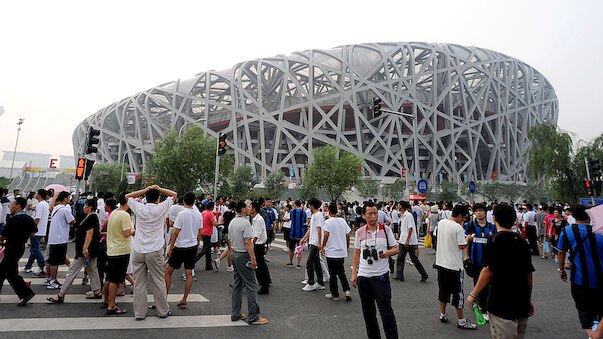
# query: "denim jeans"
244,276
35,253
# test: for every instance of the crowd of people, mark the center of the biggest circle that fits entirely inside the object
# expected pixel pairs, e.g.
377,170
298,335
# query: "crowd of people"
142,237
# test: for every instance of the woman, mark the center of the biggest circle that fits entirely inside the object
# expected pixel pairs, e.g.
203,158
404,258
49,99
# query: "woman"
557,226
87,237
432,221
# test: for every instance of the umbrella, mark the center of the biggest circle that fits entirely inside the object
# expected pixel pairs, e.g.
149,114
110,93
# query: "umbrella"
596,218
57,188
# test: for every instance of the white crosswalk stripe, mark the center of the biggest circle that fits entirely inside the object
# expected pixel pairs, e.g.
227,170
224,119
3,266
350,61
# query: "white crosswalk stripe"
81,298
119,322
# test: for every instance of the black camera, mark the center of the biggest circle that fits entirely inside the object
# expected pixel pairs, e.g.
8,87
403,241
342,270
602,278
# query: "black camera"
370,253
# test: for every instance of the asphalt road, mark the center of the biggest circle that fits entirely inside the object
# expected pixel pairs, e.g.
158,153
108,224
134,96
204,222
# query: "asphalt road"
291,312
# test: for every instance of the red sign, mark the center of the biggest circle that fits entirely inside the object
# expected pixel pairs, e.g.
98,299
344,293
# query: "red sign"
403,172
419,197
52,163
494,175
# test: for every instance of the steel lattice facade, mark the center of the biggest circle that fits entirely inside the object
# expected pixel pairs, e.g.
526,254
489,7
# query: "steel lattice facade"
468,111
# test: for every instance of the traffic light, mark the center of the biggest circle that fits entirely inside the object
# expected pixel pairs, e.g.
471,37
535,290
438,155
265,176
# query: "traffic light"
594,167
589,187
92,140
377,107
89,165
79,171
222,144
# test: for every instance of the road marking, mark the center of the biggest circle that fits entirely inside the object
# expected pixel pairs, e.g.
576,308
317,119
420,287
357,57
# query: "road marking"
81,298
121,323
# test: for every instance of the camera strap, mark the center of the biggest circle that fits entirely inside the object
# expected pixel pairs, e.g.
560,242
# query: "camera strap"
386,238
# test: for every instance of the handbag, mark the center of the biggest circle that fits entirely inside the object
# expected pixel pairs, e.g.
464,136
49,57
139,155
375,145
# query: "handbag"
2,253
427,243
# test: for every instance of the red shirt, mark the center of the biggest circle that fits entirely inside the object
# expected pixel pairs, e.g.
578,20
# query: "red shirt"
547,222
208,227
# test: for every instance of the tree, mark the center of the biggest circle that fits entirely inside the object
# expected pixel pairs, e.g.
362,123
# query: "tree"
512,192
449,191
184,162
367,188
106,177
491,191
397,190
331,172
274,184
306,192
536,193
242,180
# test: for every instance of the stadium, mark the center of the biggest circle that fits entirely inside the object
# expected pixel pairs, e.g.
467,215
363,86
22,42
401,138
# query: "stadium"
450,111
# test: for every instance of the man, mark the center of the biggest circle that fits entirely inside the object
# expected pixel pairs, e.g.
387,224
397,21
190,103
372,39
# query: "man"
418,212
170,218
209,222
183,246
383,218
119,231
586,276
17,230
218,211
540,224
408,243
395,217
568,215
449,263
478,231
147,249
259,247
370,272
271,221
58,236
335,246
298,219
529,225
314,239
244,263
4,207
41,220
508,271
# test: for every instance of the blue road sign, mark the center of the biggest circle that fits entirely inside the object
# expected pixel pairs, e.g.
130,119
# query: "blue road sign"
472,186
292,173
422,186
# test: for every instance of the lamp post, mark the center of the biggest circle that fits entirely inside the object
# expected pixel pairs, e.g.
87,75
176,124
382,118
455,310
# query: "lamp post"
188,123
16,142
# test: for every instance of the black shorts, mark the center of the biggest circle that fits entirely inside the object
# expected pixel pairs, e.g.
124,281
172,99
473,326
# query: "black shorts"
286,233
116,268
184,255
451,283
589,303
293,244
396,227
57,254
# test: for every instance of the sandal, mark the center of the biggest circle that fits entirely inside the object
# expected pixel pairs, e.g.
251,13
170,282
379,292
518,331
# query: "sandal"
153,307
59,299
116,311
104,305
181,305
123,293
94,296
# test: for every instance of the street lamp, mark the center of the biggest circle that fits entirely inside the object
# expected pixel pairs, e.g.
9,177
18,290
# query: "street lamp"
188,123
16,142
123,162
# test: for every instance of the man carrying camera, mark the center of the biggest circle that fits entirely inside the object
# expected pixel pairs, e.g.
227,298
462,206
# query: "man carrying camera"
370,272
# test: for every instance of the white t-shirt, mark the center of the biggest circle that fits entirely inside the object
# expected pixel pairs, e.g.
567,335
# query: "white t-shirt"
408,222
490,217
188,222
382,218
317,220
571,220
450,235
42,214
365,239
4,211
100,211
395,216
258,225
32,207
337,246
150,221
446,214
59,226
173,212
530,217
287,216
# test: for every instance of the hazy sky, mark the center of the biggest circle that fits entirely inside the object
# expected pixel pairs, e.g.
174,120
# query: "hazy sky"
61,61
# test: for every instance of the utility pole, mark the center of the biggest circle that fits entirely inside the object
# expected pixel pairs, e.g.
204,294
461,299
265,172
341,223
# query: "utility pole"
592,197
217,167
15,151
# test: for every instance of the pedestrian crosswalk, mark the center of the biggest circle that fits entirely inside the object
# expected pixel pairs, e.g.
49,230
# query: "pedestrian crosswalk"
81,298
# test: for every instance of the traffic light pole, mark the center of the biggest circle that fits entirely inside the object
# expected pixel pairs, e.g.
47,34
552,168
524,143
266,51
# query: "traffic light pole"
217,168
592,197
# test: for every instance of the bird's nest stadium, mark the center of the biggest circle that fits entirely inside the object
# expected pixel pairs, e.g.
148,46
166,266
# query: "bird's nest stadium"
466,111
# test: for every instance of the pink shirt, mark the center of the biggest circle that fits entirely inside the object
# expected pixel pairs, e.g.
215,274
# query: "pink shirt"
208,227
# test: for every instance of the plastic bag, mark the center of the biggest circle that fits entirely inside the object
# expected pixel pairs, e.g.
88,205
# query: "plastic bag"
427,243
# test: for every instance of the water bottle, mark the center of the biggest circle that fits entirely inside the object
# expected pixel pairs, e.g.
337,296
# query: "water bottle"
87,265
595,325
478,314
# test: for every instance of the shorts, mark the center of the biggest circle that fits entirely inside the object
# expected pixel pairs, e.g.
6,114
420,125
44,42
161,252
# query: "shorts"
116,268
286,233
589,303
451,283
57,254
184,255
396,227
293,244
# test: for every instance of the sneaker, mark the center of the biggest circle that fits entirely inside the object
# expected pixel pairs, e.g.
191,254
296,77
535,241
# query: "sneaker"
260,321
26,270
318,286
348,296
54,285
229,269
443,318
183,276
84,281
194,278
169,313
217,263
299,266
40,274
46,282
467,325
289,265
285,249
309,287
329,296
304,282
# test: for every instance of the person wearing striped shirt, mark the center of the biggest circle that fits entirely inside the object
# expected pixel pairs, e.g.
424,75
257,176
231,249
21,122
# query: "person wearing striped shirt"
586,275
298,219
